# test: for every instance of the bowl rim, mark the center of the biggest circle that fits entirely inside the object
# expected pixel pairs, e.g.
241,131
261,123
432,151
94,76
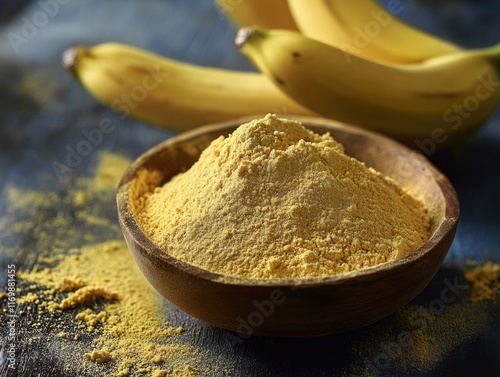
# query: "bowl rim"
131,226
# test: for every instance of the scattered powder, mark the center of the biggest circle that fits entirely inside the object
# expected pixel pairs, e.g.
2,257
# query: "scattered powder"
88,307
274,200
82,212
131,324
81,296
436,335
79,199
28,298
98,356
70,284
41,89
108,173
485,282
93,319
419,337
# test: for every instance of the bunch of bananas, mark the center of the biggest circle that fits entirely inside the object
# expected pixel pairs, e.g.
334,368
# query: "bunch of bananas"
351,61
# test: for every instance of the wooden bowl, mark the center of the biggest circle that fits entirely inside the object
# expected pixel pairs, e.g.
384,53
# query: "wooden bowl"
293,307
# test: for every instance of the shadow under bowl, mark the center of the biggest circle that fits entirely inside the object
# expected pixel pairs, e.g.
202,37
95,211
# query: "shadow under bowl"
292,307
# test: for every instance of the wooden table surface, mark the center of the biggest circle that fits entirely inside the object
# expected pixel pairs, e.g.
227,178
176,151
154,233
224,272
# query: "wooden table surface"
42,111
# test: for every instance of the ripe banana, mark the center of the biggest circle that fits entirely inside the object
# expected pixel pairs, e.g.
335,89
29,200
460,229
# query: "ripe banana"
450,95
271,14
170,93
364,28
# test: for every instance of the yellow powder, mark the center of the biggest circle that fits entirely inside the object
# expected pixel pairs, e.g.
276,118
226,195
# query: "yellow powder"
108,172
418,338
485,282
93,319
131,324
81,296
79,199
274,200
84,278
437,336
38,89
71,284
98,356
186,372
29,297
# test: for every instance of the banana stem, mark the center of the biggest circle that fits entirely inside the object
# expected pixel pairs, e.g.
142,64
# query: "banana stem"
69,57
242,36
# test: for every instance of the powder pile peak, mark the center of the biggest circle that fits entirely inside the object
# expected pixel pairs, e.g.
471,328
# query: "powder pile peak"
275,200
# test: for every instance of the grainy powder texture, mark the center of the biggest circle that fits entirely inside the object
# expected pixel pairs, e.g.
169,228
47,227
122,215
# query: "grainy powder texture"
418,338
130,327
275,200
485,282
83,303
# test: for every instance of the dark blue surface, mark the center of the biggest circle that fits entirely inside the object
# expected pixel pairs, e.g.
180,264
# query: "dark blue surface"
37,122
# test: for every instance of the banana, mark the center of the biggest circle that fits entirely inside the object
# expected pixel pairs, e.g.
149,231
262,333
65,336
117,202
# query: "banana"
448,96
272,14
364,28
170,93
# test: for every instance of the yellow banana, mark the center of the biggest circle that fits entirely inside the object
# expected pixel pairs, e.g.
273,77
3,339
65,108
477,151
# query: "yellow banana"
448,96
364,28
170,93
272,14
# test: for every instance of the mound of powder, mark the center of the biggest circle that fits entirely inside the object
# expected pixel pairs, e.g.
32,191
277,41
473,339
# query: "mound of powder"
275,200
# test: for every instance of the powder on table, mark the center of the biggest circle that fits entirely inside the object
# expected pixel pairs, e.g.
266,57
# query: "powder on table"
85,305
275,200
131,329
485,282
98,356
418,337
